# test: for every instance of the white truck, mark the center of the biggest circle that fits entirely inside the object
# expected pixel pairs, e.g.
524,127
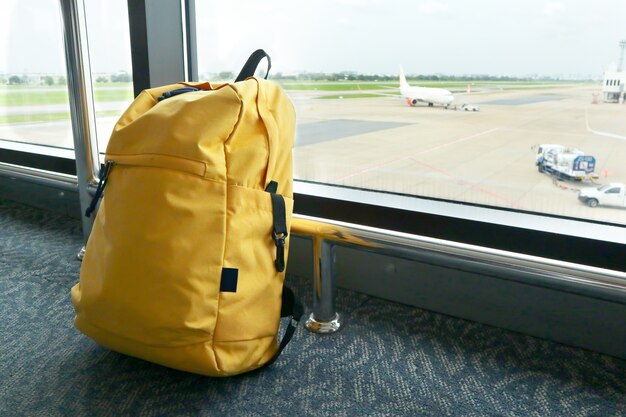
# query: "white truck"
470,107
564,162
613,194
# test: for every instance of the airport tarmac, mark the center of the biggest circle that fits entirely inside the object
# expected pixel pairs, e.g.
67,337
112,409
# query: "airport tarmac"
481,157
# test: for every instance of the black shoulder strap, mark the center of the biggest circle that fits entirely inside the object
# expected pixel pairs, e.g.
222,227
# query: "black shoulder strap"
291,307
279,229
252,63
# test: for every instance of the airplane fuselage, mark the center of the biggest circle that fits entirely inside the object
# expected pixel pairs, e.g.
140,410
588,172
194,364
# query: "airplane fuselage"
414,95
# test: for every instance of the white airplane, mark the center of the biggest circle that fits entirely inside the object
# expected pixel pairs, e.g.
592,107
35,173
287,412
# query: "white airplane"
428,95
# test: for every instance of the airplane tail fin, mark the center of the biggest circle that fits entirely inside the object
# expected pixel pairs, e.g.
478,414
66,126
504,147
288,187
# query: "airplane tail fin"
403,82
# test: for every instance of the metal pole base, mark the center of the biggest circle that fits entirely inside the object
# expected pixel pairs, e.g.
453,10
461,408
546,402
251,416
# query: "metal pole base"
324,327
81,254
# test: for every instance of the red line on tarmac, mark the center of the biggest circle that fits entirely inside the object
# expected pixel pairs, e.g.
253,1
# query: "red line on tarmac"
404,158
469,184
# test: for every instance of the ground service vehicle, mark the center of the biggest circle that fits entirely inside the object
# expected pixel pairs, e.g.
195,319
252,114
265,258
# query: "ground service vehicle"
564,162
613,194
470,107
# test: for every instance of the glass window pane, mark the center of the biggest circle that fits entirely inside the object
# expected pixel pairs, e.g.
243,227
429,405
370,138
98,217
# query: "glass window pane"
442,99
34,105
111,65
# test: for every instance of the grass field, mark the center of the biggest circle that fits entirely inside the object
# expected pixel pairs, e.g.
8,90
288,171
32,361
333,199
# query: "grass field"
30,95
353,95
46,117
336,86
36,96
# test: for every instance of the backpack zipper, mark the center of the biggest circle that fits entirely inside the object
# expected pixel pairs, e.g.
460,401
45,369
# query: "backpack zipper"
176,163
104,176
187,166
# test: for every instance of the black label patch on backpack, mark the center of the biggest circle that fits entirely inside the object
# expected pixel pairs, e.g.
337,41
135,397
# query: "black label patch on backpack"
229,280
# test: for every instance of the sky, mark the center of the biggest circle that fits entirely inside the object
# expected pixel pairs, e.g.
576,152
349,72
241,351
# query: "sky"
31,36
456,37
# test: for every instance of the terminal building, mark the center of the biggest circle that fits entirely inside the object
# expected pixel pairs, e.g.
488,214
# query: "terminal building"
615,80
613,86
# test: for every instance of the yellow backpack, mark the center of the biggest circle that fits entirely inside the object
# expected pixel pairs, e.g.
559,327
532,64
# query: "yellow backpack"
185,262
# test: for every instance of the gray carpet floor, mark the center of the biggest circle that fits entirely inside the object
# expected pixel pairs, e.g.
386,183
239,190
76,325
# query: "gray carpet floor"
391,359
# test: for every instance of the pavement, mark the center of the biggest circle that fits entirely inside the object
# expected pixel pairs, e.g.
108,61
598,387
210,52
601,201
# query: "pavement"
484,157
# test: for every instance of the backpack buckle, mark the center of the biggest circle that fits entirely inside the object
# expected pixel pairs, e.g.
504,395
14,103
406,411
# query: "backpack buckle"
279,238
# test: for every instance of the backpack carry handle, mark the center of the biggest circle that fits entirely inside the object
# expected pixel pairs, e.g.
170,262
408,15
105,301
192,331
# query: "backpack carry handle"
252,63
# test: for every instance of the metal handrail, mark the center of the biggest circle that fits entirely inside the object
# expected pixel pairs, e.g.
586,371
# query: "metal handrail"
326,235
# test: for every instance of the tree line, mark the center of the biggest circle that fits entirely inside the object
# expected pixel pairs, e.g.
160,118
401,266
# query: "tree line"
124,77
355,76
25,80
50,80
351,76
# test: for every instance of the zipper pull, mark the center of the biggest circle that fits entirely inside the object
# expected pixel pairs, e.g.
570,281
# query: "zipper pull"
176,92
104,176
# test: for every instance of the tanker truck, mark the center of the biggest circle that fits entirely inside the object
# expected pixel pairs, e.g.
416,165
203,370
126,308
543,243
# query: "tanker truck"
564,162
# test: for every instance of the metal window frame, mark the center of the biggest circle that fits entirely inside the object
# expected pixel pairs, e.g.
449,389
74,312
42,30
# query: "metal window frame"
162,35
82,111
80,173
549,244
38,161
147,46
154,38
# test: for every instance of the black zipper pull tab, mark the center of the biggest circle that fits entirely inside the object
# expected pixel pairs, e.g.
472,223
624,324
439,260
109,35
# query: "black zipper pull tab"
104,176
176,92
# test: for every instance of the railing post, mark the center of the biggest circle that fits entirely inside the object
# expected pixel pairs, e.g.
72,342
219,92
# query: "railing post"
324,318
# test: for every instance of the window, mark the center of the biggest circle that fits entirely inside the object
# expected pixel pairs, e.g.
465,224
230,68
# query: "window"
34,106
529,74
34,103
111,68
